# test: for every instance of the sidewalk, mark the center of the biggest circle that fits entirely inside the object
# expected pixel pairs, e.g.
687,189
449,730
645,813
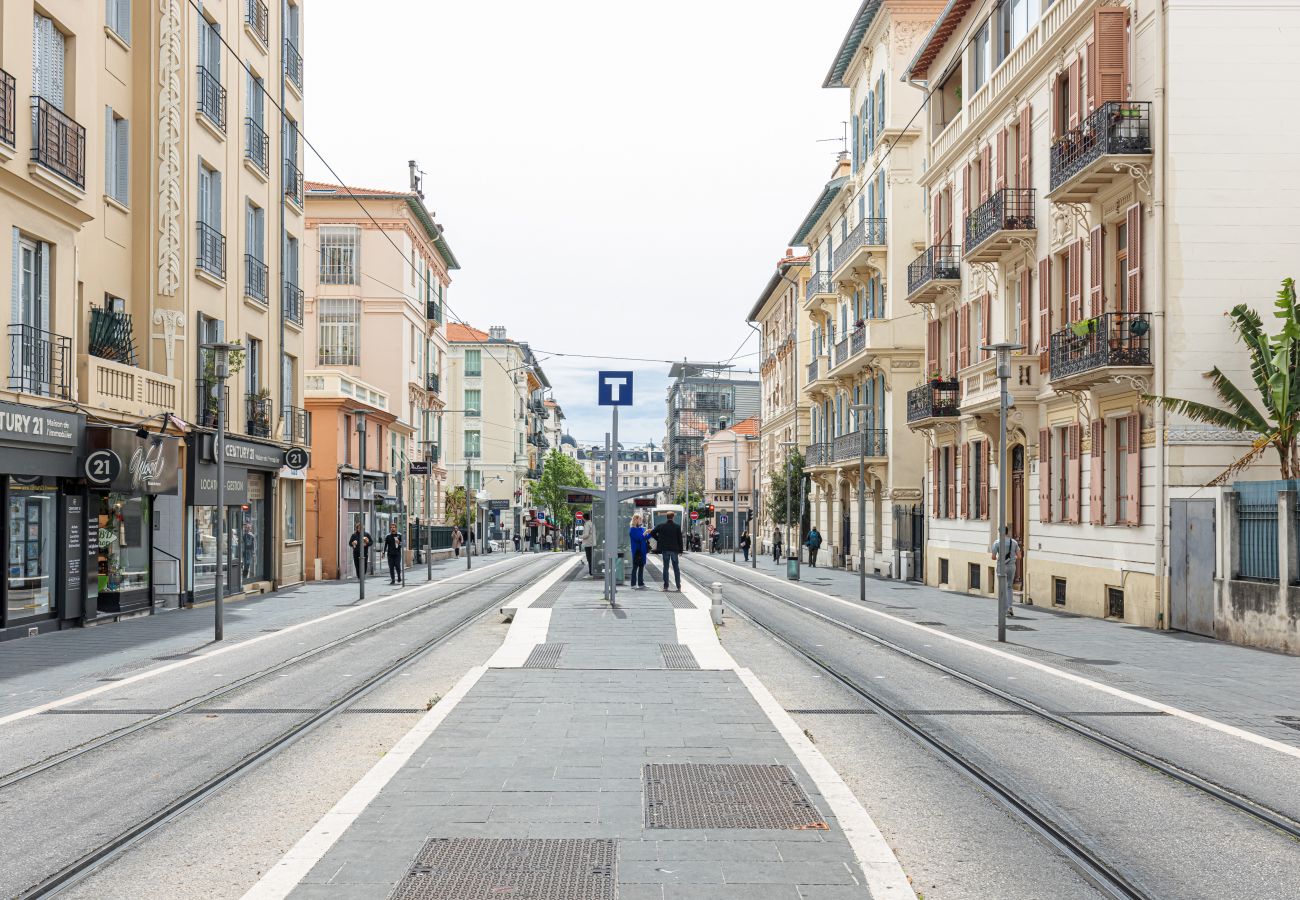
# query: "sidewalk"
1254,689
600,752
39,669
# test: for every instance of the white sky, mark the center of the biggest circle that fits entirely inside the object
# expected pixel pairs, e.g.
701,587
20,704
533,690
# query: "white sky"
614,177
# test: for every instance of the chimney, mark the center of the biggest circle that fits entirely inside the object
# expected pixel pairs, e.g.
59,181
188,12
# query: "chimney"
842,164
497,333
417,179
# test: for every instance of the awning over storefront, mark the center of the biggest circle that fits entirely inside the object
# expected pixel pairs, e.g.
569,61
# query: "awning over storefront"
35,441
149,464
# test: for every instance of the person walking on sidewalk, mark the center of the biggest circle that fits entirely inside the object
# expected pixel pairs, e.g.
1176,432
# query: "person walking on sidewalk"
744,544
776,545
588,545
1006,553
360,544
640,546
456,540
668,538
393,551
813,542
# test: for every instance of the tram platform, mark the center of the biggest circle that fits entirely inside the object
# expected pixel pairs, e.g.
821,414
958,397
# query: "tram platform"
599,753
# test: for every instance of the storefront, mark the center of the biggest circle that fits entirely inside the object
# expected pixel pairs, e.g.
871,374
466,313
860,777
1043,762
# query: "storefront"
43,541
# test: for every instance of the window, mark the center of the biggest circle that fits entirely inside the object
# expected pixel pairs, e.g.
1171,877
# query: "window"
116,156
1058,591
981,56
340,254
117,16
291,491
340,331
253,364
255,237
473,446
474,362
288,378
973,576
473,402
209,209
211,96
48,51
256,144
290,264
1121,267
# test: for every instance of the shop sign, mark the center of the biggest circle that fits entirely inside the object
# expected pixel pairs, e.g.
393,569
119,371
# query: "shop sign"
297,458
203,490
419,467
75,530
498,504
21,424
244,453
149,465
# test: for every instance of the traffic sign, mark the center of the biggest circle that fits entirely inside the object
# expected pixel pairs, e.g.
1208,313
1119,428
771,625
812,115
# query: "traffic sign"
614,389
723,519
103,467
297,458
578,515
694,515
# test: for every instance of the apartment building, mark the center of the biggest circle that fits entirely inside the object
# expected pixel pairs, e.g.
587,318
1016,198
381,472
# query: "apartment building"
374,313
1079,205
785,335
730,459
866,344
639,467
701,397
149,193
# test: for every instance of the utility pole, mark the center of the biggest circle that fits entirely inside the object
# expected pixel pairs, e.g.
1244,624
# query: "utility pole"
221,368
428,523
1005,572
787,445
858,410
361,486
469,535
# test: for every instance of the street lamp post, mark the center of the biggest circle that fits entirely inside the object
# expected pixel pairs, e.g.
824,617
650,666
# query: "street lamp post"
1003,350
428,523
787,445
858,410
221,368
361,493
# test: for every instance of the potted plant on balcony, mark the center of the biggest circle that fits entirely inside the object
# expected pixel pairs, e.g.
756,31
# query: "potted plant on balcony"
936,378
259,414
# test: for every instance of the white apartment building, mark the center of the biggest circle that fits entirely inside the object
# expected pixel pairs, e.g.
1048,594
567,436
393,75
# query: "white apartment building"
639,467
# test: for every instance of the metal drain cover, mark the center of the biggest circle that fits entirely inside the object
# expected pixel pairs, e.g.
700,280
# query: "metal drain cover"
544,656
534,868
678,656
678,601
696,795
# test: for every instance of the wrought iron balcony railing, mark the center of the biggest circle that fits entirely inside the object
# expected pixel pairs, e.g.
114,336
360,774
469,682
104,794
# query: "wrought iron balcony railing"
858,340
941,262
934,400
295,426
724,484
210,250
292,63
867,233
256,275
293,182
205,406
1111,339
432,382
433,310
841,351
257,145
812,370
857,444
58,142
8,98
255,16
212,98
1114,128
1010,209
819,283
39,362
291,300
257,415
817,455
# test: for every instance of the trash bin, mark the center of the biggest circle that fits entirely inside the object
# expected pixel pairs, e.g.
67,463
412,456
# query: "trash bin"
792,568
618,569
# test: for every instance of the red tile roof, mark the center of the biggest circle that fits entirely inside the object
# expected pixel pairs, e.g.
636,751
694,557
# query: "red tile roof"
343,192
746,426
465,333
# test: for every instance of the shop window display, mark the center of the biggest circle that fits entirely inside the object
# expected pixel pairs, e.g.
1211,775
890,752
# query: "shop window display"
124,553
32,550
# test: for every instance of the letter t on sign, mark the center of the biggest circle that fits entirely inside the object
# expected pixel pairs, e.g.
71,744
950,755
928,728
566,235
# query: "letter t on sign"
614,389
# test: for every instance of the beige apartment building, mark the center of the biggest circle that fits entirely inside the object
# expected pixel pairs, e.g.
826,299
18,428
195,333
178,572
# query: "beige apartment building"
151,195
866,344
730,459
375,298
1082,205
785,335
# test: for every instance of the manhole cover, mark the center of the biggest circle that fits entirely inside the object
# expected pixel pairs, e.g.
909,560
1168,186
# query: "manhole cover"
678,601
691,795
544,656
1094,662
935,624
534,868
678,656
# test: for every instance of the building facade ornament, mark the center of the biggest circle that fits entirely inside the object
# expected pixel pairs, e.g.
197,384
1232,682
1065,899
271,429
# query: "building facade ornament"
171,321
170,35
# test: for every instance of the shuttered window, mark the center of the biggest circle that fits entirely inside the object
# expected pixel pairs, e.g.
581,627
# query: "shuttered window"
48,51
117,16
255,231
1110,39
117,142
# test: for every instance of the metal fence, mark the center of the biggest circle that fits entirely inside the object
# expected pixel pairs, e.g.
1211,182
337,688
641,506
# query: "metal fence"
1257,532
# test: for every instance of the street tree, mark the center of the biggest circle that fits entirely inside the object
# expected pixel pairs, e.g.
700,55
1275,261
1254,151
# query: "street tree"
776,503
1275,369
454,506
548,491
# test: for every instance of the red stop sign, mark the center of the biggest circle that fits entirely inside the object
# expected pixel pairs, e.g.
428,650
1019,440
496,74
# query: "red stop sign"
578,514
694,515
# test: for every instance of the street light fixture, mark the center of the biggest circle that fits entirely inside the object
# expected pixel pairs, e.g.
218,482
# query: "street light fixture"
858,410
1003,351
791,572
429,454
221,368
361,496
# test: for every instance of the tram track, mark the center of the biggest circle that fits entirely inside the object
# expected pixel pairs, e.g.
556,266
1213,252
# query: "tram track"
1074,847
73,872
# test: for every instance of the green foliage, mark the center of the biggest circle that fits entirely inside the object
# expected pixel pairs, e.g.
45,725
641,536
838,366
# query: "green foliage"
1275,369
548,491
775,502
455,507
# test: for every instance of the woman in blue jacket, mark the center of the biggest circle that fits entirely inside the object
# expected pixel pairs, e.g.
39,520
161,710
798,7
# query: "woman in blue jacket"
640,547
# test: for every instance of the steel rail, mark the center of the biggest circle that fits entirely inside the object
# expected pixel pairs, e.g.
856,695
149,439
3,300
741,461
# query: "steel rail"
74,872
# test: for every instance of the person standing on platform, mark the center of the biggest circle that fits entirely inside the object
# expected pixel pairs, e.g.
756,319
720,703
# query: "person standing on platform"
456,540
744,544
360,544
668,538
516,539
813,543
776,545
393,551
588,545
640,547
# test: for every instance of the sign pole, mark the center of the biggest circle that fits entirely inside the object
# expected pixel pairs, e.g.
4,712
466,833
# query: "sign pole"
219,628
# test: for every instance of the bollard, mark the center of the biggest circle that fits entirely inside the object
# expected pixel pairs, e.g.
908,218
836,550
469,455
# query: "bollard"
715,610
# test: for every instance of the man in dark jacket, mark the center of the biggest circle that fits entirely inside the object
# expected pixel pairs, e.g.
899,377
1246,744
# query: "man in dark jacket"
360,543
668,539
813,543
393,552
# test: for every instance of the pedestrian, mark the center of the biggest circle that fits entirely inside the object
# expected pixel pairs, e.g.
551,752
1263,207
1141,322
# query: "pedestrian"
813,542
393,550
668,538
456,540
248,547
516,542
588,545
715,540
1010,557
744,543
360,544
776,545
640,547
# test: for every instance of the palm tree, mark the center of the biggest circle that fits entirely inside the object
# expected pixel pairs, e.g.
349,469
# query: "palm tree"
1275,368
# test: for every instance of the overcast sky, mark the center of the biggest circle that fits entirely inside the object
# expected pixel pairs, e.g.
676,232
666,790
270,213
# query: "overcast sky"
615,178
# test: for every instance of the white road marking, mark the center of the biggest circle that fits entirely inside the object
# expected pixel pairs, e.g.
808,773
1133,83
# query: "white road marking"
529,626
1138,699
227,648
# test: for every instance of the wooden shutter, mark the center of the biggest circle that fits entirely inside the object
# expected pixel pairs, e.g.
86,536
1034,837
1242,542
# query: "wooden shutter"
987,339
1044,303
963,340
965,196
952,344
934,483
1074,445
1044,474
986,467
1054,114
984,172
1026,299
1090,76
951,465
935,216
945,221
1135,258
1097,489
1110,32
110,148
1023,135
1072,93
964,497
1133,501
1096,272
1001,181
931,349
855,143
1074,290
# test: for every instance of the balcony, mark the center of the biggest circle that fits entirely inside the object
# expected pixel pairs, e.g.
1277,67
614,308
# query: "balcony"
820,287
534,473
291,300
812,369
817,455
255,17
257,415
980,390
433,311
858,340
932,401
856,445
1090,157
1093,351
293,182
543,442
432,382
210,251
58,142
212,98
864,241
39,362
938,267
255,278
724,484
206,411
1001,223
129,390
293,64
295,426
8,98
841,352
257,146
